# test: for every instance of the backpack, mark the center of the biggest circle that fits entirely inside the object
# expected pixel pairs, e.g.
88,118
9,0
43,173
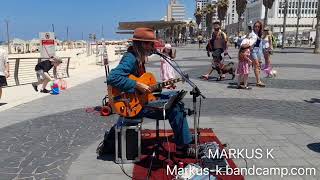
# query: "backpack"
210,44
107,146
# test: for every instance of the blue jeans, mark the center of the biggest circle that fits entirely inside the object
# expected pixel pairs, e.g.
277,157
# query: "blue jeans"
176,116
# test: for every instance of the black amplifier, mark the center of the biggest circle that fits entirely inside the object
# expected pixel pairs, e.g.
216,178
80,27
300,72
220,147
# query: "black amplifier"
127,143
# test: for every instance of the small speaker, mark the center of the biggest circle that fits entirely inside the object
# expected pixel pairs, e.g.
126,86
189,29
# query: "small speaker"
127,144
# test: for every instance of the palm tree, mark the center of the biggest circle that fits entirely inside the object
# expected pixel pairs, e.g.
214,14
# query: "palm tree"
317,39
267,5
222,9
209,11
198,15
240,7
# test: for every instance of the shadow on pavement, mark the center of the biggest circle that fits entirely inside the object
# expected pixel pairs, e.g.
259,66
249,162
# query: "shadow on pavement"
1,104
313,100
314,147
50,143
277,110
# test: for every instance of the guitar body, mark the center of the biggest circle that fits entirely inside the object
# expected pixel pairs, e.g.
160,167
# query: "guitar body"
131,104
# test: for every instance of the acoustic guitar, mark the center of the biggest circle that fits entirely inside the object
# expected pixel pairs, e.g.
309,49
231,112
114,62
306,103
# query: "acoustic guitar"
130,104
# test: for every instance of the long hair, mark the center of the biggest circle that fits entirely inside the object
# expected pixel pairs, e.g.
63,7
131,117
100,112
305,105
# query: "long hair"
139,51
261,27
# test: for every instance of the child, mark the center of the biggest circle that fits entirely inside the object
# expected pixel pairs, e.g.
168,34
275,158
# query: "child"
42,70
166,71
243,66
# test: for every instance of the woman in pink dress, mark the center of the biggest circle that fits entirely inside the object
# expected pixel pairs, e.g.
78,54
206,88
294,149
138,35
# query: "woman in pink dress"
243,69
166,71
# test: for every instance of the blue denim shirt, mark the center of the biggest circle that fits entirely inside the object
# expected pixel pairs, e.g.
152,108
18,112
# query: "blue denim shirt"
118,76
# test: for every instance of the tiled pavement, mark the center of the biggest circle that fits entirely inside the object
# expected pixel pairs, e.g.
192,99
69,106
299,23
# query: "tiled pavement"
55,138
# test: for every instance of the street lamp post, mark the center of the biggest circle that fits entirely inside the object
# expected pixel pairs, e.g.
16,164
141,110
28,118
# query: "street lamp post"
298,21
8,37
284,22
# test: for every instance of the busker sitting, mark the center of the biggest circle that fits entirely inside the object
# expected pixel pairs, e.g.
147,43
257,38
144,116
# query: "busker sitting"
133,63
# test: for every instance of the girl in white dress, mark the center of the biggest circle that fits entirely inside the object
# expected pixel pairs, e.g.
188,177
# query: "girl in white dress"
166,71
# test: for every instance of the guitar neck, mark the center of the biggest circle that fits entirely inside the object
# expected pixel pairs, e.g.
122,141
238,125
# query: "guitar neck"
163,84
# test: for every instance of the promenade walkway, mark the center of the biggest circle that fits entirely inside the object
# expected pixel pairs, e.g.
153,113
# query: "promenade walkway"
54,137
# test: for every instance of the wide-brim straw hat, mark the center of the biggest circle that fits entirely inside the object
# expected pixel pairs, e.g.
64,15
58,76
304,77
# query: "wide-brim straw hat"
266,28
168,46
144,34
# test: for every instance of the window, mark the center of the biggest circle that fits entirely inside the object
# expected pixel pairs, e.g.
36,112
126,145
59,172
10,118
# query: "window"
232,15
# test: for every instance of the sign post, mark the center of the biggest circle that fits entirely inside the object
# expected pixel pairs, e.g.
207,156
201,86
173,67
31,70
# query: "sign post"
47,44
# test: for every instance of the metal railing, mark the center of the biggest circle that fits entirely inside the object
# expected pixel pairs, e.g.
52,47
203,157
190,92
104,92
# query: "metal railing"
22,70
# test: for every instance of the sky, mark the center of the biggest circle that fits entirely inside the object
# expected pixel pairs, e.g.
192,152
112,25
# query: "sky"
28,18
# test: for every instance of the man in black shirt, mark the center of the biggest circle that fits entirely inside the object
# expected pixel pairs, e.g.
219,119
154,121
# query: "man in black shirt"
43,76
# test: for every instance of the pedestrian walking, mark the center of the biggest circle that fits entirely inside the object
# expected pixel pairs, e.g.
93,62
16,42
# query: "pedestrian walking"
254,39
235,41
267,47
4,69
217,45
200,40
243,69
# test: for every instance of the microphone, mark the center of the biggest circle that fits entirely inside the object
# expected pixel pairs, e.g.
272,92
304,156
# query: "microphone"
157,52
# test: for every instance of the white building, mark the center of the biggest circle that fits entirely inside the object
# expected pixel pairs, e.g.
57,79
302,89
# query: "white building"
255,11
202,4
232,16
176,11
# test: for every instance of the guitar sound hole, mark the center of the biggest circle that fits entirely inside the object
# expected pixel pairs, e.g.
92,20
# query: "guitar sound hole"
122,109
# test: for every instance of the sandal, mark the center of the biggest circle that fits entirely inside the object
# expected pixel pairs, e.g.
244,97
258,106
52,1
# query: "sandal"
260,84
240,87
206,77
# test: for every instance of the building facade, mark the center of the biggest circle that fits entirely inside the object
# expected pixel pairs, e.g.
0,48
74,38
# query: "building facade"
231,20
202,4
255,11
176,11
232,16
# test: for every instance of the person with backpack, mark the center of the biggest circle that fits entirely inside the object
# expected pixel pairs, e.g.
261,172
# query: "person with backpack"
216,45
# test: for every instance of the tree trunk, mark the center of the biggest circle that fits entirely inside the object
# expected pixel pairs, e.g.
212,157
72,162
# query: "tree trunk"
284,23
239,24
317,39
265,16
298,22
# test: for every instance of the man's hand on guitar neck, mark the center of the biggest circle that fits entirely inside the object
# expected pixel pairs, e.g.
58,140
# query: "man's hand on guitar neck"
143,88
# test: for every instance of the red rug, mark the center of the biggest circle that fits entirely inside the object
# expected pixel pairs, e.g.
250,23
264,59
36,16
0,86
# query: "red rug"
159,166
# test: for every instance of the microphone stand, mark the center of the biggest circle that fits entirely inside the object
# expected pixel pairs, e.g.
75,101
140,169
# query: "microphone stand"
195,93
